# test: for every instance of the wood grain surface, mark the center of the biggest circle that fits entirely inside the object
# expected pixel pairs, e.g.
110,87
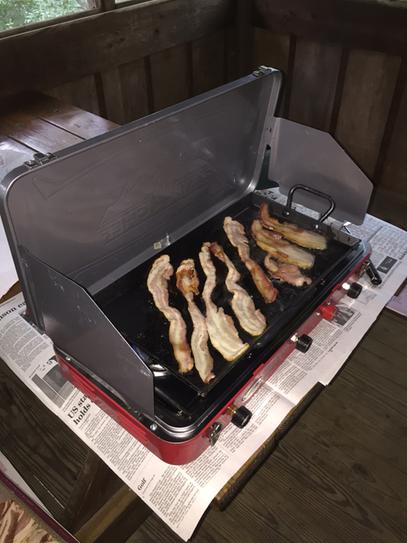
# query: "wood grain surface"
369,84
314,82
170,76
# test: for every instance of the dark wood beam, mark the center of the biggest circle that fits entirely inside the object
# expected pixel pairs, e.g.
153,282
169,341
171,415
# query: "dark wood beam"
54,55
365,24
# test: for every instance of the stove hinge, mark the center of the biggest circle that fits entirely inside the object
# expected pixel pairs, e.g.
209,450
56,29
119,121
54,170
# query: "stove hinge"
39,159
262,70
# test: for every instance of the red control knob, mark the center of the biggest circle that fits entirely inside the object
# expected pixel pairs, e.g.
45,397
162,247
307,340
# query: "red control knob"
328,311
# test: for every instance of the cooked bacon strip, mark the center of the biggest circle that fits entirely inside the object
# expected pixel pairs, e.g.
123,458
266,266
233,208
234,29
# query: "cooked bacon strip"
237,237
188,284
279,248
292,232
160,273
289,273
251,319
222,331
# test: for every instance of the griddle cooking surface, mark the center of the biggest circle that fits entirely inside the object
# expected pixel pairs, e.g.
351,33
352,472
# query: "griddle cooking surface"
130,306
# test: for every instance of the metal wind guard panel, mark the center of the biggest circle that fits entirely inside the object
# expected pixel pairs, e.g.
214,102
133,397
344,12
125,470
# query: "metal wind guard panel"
101,208
303,155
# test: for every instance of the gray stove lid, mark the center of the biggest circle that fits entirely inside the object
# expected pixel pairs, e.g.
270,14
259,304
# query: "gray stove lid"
100,208
307,156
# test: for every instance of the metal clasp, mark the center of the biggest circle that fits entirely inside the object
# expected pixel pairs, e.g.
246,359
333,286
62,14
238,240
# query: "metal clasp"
39,159
214,432
262,70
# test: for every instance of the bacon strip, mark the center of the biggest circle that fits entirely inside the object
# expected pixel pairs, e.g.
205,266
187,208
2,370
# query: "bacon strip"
279,248
237,237
222,331
289,273
292,232
251,319
157,283
188,284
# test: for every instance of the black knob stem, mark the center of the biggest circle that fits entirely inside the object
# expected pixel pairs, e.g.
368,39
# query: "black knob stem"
354,290
303,343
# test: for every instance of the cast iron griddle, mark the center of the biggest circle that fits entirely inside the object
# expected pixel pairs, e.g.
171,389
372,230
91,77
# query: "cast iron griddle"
130,306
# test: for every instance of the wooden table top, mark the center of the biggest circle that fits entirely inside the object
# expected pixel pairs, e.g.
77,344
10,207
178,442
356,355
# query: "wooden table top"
42,124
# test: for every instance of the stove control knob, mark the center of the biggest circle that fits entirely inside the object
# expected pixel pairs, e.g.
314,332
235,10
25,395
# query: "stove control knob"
241,417
352,289
303,343
214,432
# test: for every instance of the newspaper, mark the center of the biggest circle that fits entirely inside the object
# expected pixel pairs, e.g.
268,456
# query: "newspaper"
179,495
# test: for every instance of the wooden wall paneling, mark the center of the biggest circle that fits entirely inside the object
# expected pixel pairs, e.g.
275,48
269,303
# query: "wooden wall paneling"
170,76
134,87
244,35
275,50
271,49
314,83
112,95
101,42
81,93
367,94
368,24
208,62
231,53
394,172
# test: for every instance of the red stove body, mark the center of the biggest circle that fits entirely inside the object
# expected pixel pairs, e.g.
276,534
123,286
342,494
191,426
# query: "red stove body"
164,184
187,451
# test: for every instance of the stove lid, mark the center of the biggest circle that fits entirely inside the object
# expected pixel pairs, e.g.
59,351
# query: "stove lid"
100,208
301,155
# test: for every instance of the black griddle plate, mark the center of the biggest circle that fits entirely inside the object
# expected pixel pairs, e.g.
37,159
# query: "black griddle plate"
130,306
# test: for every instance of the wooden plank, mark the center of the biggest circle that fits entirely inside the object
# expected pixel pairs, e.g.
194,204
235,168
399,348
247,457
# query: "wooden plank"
70,118
12,154
244,30
81,93
379,26
367,93
394,174
241,477
208,62
275,50
134,90
170,77
39,445
271,49
36,133
101,42
314,81
106,521
112,95
232,54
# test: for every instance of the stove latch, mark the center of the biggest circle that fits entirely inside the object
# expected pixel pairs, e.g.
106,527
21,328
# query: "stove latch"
214,433
39,159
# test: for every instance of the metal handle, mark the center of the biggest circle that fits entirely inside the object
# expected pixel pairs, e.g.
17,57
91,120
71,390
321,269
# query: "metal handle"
323,216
